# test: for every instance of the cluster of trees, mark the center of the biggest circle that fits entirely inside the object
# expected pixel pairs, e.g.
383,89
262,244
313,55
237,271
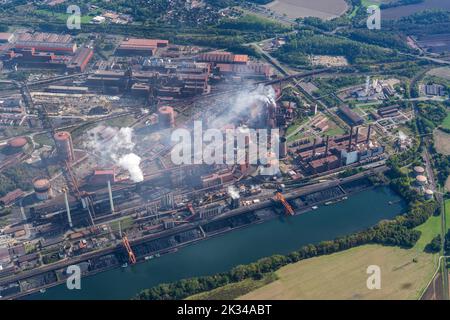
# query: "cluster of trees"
253,23
304,43
421,23
18,176
442,166
447,243
399,3
435,245
379,38
431,115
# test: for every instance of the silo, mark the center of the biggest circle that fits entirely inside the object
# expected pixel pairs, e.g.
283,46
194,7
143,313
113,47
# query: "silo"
419,171
166,117
64,145
421,180
18,144
429,194
42,188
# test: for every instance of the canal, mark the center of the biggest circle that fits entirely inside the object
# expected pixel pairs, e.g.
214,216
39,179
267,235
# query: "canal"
278,236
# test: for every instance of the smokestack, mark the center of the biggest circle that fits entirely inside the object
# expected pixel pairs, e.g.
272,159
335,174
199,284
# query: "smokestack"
326,146
283,147
69,217
350,139
314,147
357,135
111,202
368,133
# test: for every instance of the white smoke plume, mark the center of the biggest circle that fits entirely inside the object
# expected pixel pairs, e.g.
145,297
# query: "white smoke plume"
247,102
233,192
131,163
116,145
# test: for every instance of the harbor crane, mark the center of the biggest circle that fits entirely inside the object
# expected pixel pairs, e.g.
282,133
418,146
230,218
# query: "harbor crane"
126,244
287,207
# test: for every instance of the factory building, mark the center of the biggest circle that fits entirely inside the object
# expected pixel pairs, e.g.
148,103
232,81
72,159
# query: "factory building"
140,90
64,146
46,42
67,89
80,60
42,189
435,90
350,116
11,197
102,176
223,57
31,58
11,105
140,47
332,153
6,37
210,211
387,112
110,81
249,70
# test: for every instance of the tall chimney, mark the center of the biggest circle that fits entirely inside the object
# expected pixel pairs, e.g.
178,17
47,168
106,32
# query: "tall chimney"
357,135
368,133
314,147
69,217
326,146
111,202
350,139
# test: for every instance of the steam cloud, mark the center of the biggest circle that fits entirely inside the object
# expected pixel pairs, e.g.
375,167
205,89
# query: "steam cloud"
247,102
131,163
233,192
116,145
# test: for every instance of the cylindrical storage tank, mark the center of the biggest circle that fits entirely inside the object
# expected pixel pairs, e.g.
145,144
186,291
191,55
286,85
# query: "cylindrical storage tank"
419,171
166,117
42,188
429,194
421,180
18,144
64,146
283,147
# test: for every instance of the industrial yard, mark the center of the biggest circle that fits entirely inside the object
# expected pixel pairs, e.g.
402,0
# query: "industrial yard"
93,125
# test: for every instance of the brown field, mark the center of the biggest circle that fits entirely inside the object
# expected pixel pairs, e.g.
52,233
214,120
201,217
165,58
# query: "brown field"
442,142
324,9
442,72
403,11
343,275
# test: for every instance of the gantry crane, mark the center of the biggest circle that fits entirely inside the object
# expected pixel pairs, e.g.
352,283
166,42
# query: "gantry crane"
287,207
126,244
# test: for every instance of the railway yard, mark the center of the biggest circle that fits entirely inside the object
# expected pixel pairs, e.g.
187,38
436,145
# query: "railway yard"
91,140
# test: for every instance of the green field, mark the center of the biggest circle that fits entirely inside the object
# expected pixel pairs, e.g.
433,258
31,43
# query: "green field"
446,123
61,16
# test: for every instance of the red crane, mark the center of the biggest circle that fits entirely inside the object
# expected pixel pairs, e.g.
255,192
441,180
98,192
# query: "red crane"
287,207
127,246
